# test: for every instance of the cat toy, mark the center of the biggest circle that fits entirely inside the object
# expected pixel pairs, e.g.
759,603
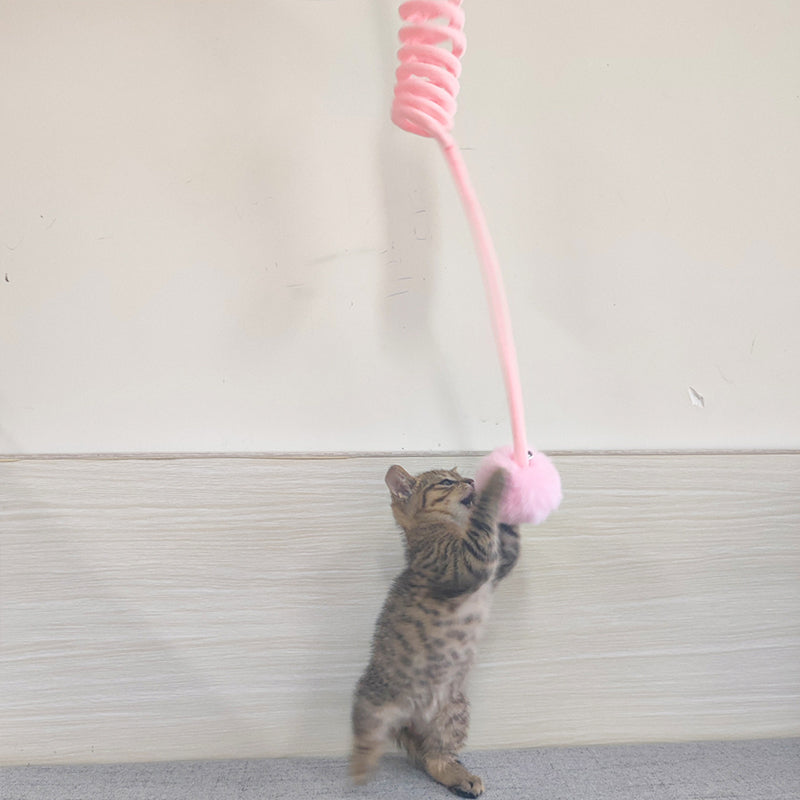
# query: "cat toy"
427,81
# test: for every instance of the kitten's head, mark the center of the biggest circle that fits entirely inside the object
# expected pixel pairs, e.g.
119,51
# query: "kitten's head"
436,493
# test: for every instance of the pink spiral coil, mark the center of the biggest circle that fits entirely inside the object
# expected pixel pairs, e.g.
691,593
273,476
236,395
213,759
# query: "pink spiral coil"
432,43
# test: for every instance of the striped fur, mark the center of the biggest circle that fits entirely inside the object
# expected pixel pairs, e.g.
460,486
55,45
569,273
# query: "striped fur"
426,636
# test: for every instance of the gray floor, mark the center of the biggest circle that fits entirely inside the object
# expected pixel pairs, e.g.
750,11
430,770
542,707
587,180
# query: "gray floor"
757,770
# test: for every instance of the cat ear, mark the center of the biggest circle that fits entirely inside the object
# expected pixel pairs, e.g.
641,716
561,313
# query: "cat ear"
400,483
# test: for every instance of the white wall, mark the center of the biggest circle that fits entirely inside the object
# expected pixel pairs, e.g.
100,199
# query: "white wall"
212,238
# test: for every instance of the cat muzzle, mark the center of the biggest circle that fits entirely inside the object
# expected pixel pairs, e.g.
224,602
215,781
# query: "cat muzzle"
469,497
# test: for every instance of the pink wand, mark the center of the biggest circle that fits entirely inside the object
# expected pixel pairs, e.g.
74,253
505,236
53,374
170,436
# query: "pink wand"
432,43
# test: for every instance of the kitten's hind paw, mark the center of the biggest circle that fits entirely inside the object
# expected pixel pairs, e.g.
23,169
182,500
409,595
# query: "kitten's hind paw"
362,766
454,775
359,778
470,786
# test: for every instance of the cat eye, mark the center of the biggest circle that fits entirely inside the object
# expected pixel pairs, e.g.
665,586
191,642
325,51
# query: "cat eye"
447,482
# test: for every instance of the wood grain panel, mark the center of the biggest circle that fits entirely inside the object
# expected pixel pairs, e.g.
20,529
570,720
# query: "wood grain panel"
222,607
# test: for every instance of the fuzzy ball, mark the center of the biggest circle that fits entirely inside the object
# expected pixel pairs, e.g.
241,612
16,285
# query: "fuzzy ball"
532,491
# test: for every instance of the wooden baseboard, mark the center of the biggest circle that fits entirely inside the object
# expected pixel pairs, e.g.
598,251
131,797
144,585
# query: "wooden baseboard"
214,607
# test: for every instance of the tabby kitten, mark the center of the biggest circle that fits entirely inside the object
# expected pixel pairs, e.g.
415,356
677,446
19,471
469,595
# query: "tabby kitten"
426,635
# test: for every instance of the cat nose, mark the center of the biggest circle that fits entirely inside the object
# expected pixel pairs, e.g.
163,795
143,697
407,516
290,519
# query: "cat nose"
469,481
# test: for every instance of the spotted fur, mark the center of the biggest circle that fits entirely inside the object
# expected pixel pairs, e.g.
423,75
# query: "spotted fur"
427,633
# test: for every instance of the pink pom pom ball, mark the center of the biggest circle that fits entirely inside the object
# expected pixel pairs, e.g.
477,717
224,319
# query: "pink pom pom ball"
532,492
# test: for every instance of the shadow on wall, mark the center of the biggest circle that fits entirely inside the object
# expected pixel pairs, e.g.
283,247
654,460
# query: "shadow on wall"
96,659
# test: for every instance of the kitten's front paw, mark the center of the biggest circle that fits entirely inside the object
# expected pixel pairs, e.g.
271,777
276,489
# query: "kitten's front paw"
496,484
